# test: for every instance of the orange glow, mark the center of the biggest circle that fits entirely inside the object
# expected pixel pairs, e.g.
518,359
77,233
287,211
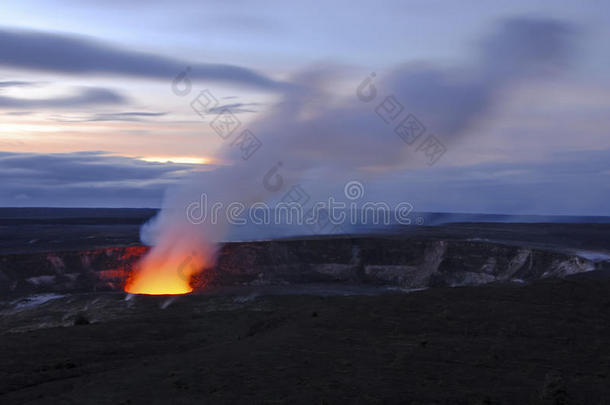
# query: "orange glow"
162,277
160,284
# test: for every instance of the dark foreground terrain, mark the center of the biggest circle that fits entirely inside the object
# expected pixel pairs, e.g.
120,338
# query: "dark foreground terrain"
528,321
544,343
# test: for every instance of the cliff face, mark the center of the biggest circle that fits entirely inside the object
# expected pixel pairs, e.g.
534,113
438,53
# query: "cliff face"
88,270
409,263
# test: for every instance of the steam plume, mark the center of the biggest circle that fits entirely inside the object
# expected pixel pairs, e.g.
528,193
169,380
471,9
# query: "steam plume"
316,133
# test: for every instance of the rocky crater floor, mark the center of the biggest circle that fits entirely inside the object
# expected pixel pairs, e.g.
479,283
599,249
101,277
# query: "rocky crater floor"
541,343
399,261
86,250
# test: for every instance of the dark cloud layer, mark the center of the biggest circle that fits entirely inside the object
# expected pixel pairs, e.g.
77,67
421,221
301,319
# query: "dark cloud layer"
234,108
70,54
85,97
575,183
83,179
15,83
126,116
130,116
569,184
545,44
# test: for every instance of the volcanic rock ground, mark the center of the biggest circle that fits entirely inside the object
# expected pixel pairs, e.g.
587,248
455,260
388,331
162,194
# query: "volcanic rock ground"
544,342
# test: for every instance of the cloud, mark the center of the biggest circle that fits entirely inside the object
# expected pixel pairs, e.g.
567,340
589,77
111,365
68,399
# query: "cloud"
19,113
86,96
545,44
84,179
572,183
234,108
80,167
126,116
131,116
15,83
71,54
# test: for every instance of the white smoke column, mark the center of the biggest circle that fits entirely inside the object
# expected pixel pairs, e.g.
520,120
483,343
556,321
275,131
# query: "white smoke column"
313,132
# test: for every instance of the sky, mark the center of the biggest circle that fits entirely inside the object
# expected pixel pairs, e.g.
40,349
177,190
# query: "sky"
97,101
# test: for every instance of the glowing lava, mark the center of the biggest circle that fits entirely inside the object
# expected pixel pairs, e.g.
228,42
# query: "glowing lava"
162,277
159,284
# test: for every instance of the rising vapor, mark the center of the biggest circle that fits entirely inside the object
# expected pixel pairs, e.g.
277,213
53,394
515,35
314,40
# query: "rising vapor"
312,132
